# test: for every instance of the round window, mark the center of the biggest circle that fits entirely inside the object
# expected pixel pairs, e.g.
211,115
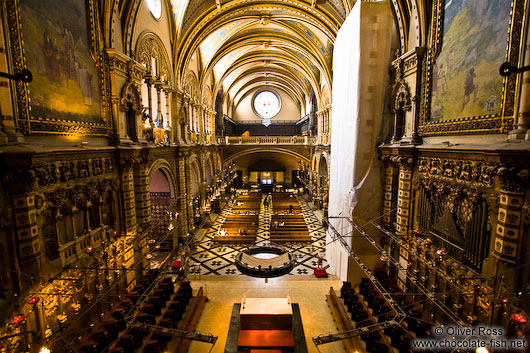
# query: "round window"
155,6
267,104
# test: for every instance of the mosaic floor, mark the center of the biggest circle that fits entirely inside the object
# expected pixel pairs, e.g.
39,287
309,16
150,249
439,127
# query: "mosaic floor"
219,260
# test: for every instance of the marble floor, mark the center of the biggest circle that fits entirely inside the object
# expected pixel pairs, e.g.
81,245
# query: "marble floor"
225,290
219,260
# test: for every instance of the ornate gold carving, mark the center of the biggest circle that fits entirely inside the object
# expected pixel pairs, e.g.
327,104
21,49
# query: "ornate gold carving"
150,46
475,172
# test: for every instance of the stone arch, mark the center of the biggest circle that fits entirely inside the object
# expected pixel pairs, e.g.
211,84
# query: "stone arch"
164,166
191,85
207,96
401,96
131,104
323,163
196,174
314,163
209,168
401,103
325,97
261,149
218,163
149,46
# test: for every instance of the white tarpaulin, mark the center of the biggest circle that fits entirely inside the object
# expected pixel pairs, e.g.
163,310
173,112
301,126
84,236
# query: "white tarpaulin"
361,60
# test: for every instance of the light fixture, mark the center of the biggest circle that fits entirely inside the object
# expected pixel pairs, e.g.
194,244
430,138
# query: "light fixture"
44,350
518,317
482,350
34,300
17,319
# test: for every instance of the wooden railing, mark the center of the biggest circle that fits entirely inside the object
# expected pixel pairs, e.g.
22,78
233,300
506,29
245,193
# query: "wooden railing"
267,140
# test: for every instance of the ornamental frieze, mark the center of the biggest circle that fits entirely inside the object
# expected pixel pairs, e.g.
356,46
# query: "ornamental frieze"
472,172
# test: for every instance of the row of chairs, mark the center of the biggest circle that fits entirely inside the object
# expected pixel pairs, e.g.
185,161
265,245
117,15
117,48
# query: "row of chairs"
367,306
112,323
362,316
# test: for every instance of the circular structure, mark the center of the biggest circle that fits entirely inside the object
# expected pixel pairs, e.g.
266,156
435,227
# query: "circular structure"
155,6
264,261
267,104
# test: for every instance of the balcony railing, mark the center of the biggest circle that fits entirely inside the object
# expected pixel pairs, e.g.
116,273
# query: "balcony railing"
267,140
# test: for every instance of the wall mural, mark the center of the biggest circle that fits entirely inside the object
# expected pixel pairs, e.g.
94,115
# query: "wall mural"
465,78
65,77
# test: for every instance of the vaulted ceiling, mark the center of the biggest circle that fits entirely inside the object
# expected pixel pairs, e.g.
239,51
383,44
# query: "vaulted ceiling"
238,45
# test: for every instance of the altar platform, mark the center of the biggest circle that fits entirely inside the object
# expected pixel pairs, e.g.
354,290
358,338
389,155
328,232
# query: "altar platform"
266,325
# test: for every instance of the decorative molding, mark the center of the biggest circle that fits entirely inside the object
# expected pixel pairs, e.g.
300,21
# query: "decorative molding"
478,173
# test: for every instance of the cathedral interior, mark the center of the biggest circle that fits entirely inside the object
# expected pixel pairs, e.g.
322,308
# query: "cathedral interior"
249,176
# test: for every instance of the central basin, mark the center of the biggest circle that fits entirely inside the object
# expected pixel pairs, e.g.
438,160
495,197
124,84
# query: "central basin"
265,255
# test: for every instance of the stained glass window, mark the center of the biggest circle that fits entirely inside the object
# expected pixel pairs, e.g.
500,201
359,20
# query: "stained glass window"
267,104
155,6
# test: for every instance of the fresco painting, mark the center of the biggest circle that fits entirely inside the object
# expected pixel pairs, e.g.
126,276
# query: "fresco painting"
465,77
65,77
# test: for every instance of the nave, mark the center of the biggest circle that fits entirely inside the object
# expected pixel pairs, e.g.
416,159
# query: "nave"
218,259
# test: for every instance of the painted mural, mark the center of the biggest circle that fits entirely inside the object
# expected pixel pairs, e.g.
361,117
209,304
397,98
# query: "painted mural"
65,77
465,77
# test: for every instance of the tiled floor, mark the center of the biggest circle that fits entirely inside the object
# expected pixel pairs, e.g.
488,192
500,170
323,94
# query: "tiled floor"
309,292
219,260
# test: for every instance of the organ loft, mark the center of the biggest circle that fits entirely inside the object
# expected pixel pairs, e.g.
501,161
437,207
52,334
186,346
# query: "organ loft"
248,176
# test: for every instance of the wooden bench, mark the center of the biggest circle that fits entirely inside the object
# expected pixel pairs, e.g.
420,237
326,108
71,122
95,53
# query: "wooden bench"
290,238
189,321
343,321
234,239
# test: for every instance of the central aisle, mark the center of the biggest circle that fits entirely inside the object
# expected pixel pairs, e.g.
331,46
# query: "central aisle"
215,259
308,291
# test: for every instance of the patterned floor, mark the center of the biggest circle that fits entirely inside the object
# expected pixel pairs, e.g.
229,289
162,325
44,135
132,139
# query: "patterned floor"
219,260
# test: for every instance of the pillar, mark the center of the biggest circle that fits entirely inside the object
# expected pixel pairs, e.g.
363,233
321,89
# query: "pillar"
403,218
142,197
390,192
143,214
522,124
200,113
508,225
183,201
149,100
128,197
27,231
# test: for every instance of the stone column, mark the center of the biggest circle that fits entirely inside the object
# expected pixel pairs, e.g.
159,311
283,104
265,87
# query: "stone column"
142,196
509,213
390,193
27,231
189,198
522,124
200,113
403,219
183,201
159,116
168,117
149,100
128,197
143,214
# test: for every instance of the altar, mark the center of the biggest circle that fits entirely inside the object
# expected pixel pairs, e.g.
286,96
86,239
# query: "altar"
266,314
